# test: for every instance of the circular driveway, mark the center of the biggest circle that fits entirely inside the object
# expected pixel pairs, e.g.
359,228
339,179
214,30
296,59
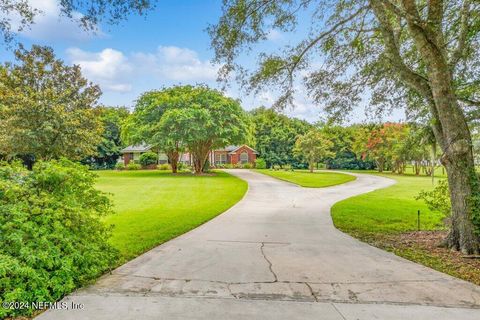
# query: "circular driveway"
275,255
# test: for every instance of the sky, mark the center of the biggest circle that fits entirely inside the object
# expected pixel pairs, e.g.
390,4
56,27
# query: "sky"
168,46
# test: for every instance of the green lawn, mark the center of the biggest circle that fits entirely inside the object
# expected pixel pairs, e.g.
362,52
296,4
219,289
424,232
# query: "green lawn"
390,210
387,219
304,178
155,206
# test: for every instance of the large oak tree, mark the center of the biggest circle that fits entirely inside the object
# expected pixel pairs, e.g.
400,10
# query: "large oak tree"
418,53
47,109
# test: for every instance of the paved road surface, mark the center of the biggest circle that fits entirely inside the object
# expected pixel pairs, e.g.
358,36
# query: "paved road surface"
275,255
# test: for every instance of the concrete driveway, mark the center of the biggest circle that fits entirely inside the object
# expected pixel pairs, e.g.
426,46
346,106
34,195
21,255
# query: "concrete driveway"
275,255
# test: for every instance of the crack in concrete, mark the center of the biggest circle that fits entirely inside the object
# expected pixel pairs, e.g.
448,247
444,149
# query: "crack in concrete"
308,284
311,291
270,266
332,301
281,281
230,291
245,241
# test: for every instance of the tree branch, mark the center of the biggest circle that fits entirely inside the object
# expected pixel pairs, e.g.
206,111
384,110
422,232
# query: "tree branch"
462,35
413,80
320,37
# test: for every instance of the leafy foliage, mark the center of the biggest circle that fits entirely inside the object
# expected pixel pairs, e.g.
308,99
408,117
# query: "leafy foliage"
438,199
344,139
119,166
133,166
260,163
148,158
275,136
201,119
108,151
313,147
163,166
185,117
47,109
52,239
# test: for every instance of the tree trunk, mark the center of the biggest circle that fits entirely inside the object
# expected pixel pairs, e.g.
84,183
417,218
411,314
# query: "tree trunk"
380,164
200,155
456,144
450,129
173,157
462,235
311,166
417,168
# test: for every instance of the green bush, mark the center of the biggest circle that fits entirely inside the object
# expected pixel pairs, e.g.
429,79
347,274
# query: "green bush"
52,239
247,166
120,166
438,199
229,166
181,166
148,158
164,166
260,163
133,166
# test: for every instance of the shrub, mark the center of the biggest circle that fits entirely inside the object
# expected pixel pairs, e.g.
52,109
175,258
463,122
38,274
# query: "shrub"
120,166
52,239
438,199
260,163
247,166
133,166
229,166
164,166
148,158
187,168
181,166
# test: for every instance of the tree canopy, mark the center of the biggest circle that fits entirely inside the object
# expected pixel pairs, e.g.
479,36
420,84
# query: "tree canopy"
313,146
197,119
108,150
275,135
47,109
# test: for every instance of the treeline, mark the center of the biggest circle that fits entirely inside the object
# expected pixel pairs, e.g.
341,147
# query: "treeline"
385,147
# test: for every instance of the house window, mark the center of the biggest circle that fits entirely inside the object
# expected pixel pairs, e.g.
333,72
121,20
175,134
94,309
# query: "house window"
243,157
220,158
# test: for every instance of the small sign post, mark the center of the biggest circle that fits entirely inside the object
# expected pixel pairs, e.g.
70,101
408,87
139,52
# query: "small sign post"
418,220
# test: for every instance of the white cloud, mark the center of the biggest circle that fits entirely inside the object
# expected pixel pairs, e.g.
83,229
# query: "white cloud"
49,24
109,68
177,64
275,35
115,71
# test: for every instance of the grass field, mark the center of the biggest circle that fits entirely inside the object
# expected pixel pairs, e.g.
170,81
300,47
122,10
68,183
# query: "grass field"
154,206
304,178
390,210
387,219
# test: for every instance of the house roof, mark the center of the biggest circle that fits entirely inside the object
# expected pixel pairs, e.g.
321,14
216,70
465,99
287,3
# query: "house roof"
136,148
232,149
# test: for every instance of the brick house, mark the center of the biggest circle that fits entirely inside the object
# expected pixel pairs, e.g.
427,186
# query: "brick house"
229,155
233,155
